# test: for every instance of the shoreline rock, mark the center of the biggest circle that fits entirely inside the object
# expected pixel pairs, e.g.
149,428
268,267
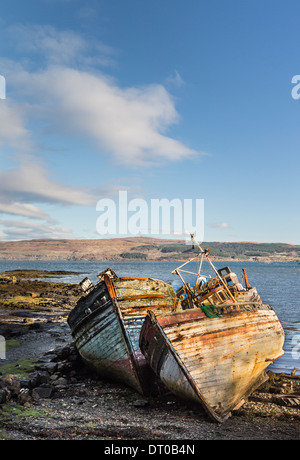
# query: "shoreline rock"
61,367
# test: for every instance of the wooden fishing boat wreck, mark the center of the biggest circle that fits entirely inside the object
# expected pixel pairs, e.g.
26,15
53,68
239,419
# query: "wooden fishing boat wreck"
214,354
106,323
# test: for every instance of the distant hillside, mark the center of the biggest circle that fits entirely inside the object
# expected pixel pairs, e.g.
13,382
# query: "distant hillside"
142,248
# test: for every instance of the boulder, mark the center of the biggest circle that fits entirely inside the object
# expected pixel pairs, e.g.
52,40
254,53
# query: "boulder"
24,396
12,383
3,395
41,392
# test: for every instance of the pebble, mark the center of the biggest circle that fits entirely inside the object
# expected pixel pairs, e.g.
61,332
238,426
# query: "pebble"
55,370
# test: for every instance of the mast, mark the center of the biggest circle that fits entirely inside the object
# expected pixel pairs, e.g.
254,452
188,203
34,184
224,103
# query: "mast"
204,252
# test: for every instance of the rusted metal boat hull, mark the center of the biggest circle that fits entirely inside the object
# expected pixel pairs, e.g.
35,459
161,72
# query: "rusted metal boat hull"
215,361
106,325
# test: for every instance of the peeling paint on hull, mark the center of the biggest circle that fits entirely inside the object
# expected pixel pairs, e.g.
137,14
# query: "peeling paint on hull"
106,325
216,362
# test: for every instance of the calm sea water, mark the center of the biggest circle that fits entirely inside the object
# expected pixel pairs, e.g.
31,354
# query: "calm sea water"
278,285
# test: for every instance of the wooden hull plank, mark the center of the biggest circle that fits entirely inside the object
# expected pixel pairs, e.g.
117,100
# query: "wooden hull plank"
222,359
106,325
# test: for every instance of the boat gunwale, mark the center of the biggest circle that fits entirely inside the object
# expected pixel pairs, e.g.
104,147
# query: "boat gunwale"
91,315
83,304
197,312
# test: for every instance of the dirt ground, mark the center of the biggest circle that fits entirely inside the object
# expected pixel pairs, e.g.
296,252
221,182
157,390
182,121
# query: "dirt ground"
86,406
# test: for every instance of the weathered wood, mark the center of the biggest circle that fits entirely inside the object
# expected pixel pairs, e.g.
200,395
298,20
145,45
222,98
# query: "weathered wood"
216,362
106,325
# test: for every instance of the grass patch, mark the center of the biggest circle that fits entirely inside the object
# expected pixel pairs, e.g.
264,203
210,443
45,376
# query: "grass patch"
24,299
21,368
9,410
25,302
90,425
12,343
32,413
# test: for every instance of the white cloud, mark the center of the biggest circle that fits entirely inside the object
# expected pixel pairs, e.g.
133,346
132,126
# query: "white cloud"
9,206
29,181
175,79
222,225
129,123
60,46
23,230
12,130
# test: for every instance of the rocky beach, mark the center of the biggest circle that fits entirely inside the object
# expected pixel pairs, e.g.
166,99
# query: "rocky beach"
46,392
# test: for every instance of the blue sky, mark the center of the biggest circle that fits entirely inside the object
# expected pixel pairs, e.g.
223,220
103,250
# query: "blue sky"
163,99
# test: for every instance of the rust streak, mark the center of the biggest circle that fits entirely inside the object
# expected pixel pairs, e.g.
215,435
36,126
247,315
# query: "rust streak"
110,287
147,296
134,278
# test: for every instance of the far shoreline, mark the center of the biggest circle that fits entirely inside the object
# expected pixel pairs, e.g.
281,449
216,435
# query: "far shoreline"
265,261
144,249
